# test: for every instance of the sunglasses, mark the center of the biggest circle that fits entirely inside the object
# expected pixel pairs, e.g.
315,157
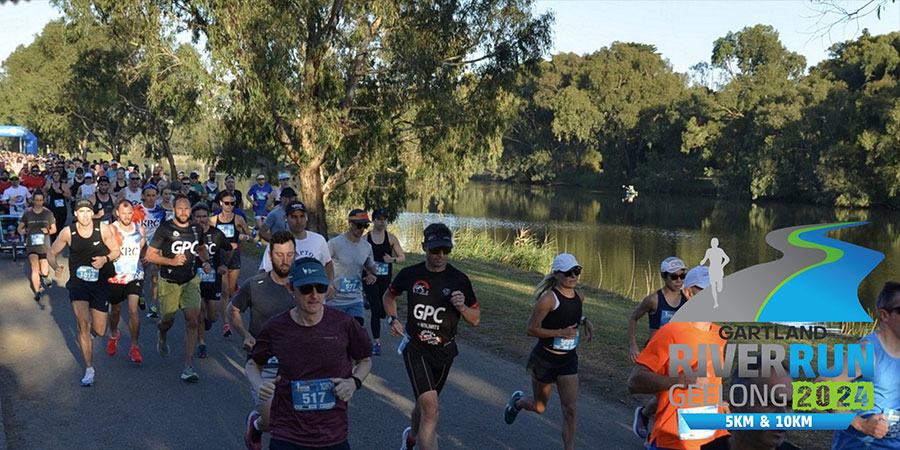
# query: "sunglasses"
439,250
361,226
673,276
307,289
575,271
228,203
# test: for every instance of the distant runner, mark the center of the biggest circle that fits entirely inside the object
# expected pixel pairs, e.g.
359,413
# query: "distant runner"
36,226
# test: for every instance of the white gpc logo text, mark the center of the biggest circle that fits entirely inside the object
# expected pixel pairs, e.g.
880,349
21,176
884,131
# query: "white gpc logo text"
422,312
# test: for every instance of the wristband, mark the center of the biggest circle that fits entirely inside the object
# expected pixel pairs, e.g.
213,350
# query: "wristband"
357,381
391,319
581,322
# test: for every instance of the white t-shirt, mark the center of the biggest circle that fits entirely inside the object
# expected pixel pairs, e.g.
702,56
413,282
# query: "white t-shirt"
314,246
17,198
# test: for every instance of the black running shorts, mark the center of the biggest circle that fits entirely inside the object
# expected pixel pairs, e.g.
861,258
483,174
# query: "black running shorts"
95,293
120,292
424,375
546,366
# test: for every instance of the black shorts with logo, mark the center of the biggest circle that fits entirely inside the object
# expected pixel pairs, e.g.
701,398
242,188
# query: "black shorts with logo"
96,293
546,366
120,292
424,375
211,291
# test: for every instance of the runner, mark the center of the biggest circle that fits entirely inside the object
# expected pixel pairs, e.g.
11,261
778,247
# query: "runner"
210,283
58,197
132,193
275,198
166,198
210,187
16,196
103,201
238,198
92,248
88,188
351,257
306,243
150,216
878,427
265,295
659,306
75,183
36,226
178,247
186,190
128,283
235,229
386,252
437,295
320,351
651,376
554,320
258,194
275,221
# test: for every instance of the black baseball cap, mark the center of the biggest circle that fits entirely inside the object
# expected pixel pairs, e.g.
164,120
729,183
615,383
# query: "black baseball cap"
288,192
103,178
380,212
294,206
438,235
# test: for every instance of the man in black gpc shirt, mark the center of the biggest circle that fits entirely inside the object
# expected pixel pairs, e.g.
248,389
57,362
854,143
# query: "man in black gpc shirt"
179,248
437,295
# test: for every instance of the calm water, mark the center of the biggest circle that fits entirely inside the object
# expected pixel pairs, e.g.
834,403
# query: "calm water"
621,245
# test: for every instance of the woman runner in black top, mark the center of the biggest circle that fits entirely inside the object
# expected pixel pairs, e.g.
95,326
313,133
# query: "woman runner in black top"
385,254
554,321
58,197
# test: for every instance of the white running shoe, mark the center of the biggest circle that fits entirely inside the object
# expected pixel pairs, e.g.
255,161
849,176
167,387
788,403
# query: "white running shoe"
403,439
88,379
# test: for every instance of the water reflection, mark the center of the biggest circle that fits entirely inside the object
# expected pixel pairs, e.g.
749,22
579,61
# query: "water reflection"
621,244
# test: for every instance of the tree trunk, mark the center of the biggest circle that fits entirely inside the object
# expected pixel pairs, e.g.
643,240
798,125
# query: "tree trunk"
314,198
167,150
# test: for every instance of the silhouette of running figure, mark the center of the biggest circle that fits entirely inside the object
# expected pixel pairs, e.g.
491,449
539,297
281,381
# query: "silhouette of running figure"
717,262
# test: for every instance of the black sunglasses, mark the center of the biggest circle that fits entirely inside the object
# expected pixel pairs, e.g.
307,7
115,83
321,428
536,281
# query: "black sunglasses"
228,203
439,250
576,271
673,276
308,288
361,226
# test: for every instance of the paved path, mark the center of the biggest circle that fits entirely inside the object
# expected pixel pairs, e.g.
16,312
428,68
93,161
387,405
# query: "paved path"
149,407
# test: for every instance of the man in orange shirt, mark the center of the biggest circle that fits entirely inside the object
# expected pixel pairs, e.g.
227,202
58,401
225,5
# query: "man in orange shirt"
650,376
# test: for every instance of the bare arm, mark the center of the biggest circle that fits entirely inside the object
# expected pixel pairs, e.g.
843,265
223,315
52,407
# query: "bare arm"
110,242
58,246
647,306
399,255
645,381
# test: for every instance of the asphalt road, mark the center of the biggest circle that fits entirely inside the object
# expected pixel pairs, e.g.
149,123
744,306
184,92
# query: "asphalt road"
147,406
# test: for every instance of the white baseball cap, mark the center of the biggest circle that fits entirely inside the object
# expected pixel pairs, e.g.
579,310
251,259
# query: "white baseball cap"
698,276
672,264
284,176
564,262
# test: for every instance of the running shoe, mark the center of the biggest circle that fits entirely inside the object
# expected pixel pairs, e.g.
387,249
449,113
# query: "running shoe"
113,345
253,437
404,440
154,312
639,424
259,244
376,348
201,351
162,347
37,296
135,354
366,303
226,330
88,379
510,413
142,303
189,375
207,325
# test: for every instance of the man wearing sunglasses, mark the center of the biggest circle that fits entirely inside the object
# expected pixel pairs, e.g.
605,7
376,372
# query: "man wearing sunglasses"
265,295
352,257
659,306
437,296
323,358
878,427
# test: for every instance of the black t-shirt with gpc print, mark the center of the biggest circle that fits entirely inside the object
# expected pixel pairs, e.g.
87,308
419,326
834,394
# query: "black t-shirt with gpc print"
431,320
171,240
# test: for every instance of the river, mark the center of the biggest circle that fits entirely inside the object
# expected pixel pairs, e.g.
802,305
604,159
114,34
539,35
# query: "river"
621,244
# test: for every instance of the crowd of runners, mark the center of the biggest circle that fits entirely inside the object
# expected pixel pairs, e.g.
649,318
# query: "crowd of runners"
164,246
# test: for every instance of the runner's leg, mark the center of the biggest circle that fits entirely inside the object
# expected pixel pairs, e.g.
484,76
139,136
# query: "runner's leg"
191,318
537,403
115,312
567,386
35,263
99,319
134,319
83,318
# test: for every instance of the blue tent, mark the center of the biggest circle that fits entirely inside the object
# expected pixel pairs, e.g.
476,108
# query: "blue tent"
27,140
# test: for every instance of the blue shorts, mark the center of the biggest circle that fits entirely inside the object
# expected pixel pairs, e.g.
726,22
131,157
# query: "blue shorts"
355,309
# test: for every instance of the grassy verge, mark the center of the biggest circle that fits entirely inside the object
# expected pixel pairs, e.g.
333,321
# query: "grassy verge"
505,296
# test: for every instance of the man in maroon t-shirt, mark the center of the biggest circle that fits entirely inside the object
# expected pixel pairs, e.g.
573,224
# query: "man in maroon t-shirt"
323,357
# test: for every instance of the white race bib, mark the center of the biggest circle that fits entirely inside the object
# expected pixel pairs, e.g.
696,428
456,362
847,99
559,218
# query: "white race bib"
37,239
87,273
59,203
563,344
350,285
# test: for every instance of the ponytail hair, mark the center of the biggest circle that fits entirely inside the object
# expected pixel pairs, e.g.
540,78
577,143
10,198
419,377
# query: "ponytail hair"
546,283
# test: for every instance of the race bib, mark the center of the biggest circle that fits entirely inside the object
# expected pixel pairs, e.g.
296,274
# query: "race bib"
260,196
87,273
665,317
892,416
227,229
59,203
685,433
313,395
350,284
564,344
206,277
38,239
402,343
272,362
104,221
382,268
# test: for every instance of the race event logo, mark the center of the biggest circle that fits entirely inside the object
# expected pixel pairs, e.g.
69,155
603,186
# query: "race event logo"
815,281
